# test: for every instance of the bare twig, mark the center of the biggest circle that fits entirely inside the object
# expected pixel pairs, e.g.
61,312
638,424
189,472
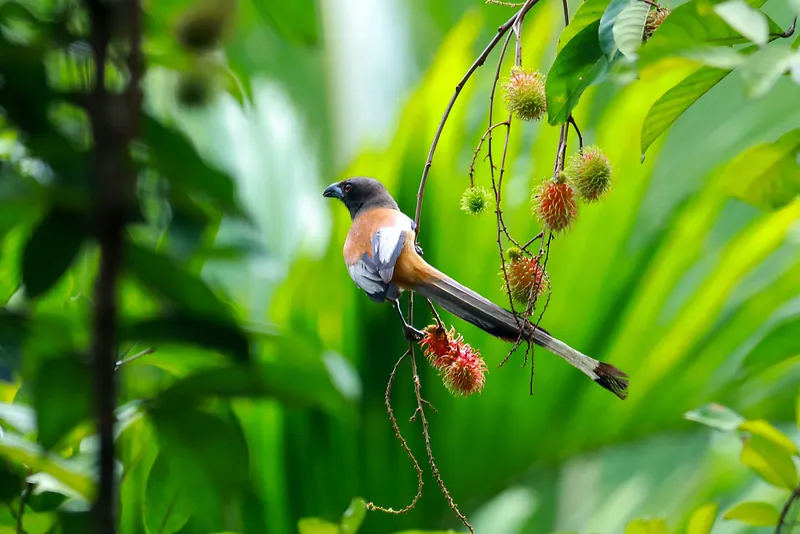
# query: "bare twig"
478,62
532,241
574,124
403,443
134,357
486,134
505,4
790,30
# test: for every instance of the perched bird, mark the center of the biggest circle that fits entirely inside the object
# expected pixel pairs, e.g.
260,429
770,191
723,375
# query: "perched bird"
383,260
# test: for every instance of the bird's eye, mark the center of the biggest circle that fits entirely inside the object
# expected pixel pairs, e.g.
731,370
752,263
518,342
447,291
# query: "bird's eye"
347,188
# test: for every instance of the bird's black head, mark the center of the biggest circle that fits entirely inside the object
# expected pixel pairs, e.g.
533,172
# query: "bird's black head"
361,194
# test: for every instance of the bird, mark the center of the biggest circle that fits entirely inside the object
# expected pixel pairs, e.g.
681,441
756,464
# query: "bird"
383,259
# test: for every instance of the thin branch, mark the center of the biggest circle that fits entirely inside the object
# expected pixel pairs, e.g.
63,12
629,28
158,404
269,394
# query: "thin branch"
114,180
790,30
122,362
23,501
426,434
478,62
403,442
486,134
574,124
532,241
783,521
505,4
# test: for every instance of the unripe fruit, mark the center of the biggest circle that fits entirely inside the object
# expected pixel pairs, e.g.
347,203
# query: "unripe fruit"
554,204
195,88
467,374
525,94
202,28
590,173
526,277
654,19
475,200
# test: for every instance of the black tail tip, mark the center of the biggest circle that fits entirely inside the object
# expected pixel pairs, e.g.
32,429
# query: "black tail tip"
612,379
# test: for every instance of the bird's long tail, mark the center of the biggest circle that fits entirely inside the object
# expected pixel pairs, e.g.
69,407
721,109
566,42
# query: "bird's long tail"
470,306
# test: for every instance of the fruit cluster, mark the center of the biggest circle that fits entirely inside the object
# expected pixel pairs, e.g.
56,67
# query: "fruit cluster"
461,367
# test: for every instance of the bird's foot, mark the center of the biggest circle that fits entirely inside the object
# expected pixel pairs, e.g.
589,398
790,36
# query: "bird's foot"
418,249
412,334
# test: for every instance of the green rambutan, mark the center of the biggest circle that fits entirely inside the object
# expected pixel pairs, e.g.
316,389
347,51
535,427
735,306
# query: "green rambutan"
590,173
476,200
525,94
554,205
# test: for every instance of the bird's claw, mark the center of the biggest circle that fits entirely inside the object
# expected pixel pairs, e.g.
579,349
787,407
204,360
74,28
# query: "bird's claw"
412,334
418,249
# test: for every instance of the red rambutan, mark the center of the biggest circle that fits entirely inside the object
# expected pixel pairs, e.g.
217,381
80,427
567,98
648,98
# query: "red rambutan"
554,204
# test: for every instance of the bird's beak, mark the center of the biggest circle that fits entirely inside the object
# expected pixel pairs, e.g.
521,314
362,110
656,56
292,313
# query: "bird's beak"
333,191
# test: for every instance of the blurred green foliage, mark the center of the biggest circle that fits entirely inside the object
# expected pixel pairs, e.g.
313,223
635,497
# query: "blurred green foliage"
253,372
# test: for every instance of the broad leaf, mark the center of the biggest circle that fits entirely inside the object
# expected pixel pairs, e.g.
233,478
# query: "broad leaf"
354,516
605,31
68,472
716,416
182,328
296,21
762,428
20,417
702,519
580,64
647,526
766,175
166,278
589,11
757,514
13,332
167,504
51,249
666,110
62,397
691,27
748,21
206,453
293,381
173,155
315,525
771,462
763,69
628,29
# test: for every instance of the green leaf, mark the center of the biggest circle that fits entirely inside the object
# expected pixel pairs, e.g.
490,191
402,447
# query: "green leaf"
62,397
622,27
716,416
756,514
69,473
762,428
749,22
797,410
223,336
206,454
580,64
174,157
315,525
781,341
647,526
295,21
20,417
764,68
354,516
166,278
692,27
766,175
51,249
167,505
13,332
702,519
589,11
666,110
628,28
12,480
771,462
